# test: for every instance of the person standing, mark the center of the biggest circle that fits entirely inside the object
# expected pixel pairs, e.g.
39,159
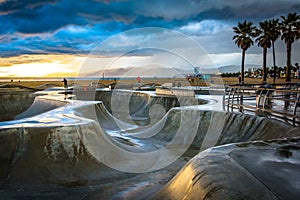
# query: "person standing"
65,83
240,79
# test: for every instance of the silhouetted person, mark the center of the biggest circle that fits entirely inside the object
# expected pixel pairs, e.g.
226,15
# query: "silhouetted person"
240,79
65,83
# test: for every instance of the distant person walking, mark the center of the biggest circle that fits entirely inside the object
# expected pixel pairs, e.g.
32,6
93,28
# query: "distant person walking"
65,83
240,79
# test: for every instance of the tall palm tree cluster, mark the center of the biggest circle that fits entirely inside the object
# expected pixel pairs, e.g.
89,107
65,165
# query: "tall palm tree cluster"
265,36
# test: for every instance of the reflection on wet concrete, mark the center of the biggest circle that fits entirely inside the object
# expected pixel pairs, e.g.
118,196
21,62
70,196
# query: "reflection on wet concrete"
252,170
60,149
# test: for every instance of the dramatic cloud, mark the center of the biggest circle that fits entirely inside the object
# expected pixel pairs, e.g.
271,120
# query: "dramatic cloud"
41,27
218,9
205,27
10,6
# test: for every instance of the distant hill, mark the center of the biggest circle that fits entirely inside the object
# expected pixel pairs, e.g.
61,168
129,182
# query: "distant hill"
227,69
162,71
138,71
236,68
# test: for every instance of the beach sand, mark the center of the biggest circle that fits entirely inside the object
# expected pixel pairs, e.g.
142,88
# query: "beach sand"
40,84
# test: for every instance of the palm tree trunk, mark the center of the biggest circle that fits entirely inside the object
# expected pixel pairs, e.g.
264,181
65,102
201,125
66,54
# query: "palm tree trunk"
243,66
274,62
264,65
288,61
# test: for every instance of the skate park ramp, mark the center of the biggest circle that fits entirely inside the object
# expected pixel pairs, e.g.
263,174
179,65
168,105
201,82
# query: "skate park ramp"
250,170
18,102
40,105
13,101
80,150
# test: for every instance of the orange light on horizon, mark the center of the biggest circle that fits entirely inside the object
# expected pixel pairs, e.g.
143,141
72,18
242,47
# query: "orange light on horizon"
40,66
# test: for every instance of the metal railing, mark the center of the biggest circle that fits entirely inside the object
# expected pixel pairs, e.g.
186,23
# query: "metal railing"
280,102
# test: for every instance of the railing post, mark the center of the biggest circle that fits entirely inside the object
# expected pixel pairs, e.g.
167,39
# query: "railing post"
228,99
224,97
233,96
241,100
258,98
265,99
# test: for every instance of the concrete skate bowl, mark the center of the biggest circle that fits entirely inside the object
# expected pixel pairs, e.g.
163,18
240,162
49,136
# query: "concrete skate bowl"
135,107
40,105
18,102
66,153
13,101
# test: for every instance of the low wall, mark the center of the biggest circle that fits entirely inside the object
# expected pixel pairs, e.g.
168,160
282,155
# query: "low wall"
14,102
173,91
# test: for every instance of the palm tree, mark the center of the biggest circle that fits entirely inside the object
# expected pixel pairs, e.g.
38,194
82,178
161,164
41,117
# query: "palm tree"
264,41
243,39
289,26
274,33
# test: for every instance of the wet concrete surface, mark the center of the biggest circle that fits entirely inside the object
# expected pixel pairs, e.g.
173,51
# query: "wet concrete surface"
60,149
14,101
251,170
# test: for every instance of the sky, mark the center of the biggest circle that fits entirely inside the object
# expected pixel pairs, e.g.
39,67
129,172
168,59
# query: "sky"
74,37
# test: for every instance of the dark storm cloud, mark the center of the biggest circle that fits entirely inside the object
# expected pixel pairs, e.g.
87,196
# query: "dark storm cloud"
35,16
9,6
76,25
216,9
51,17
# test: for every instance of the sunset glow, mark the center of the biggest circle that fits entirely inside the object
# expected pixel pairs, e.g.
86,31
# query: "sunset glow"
41,66
52,38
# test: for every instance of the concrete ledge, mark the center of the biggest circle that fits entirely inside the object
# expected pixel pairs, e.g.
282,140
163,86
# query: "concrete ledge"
174,91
